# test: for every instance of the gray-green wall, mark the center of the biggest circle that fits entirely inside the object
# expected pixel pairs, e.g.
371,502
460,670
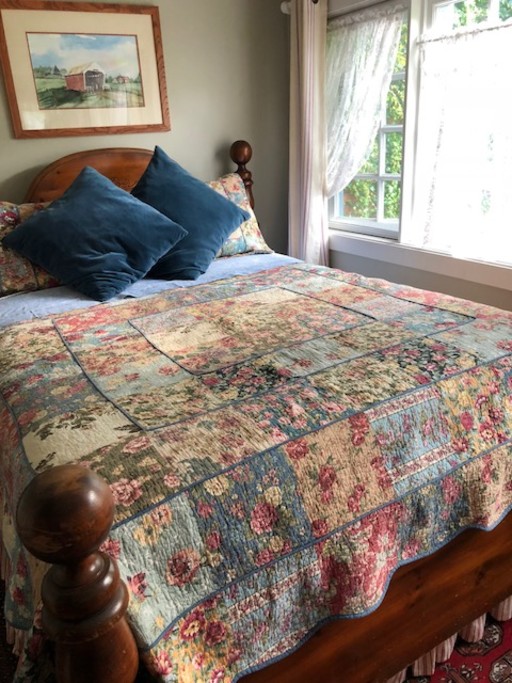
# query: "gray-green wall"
227,78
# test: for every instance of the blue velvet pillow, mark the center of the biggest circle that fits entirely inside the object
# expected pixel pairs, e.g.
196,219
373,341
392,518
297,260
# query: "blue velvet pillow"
208,217
96,238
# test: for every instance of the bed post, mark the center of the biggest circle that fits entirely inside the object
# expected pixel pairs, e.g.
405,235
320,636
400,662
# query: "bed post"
63,516
241,153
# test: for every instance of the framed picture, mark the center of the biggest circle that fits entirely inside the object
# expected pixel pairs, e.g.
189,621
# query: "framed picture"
82,68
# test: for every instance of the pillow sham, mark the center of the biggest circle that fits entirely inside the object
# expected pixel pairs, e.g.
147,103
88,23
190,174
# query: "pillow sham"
247,238
96,238
18,274
207,216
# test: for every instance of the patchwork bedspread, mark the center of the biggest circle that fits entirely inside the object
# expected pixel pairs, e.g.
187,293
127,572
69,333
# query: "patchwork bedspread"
277,444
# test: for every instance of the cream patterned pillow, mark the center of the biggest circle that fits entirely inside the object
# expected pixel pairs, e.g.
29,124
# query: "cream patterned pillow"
247,238
18,274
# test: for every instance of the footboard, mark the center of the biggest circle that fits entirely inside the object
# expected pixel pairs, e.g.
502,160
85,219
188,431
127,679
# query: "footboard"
63,517
66,513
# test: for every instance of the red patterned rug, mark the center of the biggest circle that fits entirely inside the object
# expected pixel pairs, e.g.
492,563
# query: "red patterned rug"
487,661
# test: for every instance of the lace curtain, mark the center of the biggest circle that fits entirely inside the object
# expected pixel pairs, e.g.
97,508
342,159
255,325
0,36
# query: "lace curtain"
307,229
463,181
361,53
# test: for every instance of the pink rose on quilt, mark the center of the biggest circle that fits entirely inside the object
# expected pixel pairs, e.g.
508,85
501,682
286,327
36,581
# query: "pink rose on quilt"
204,509
162,663
487,431
263,518
193,625
326,477
171,480
296,450
213,540
138,585
126,491
496,415
319,527
112,548
234,655
21,567
18,596
264,557
161,516
460,445
451,489
182,567
217,676
136,445
360,426
215,633
466,420
198,660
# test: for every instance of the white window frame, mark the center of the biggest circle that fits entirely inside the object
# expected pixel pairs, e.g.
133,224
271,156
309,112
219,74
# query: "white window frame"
395,251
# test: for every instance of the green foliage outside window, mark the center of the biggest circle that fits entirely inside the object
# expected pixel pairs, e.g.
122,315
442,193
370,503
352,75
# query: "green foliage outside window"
476,11
505,10
360,196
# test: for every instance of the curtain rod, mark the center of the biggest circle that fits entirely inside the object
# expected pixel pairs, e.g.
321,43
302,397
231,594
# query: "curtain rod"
285,6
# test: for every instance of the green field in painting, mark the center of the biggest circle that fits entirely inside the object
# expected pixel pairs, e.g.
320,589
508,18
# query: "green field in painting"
52,94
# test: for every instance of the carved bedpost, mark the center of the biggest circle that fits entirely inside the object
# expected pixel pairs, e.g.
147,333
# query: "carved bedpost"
241,153
63,516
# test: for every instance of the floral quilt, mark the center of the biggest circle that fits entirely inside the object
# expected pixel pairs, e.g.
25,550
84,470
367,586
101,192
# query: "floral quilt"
277,445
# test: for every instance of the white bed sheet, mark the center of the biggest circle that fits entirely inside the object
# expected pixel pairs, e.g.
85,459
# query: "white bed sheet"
28,305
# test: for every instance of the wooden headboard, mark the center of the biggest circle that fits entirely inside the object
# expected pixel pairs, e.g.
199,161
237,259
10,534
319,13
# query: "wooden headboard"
123,165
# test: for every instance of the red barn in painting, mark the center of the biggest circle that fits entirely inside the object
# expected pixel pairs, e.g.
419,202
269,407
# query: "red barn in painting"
85,77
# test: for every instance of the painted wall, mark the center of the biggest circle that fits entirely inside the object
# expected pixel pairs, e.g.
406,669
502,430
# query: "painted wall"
227,78
415,277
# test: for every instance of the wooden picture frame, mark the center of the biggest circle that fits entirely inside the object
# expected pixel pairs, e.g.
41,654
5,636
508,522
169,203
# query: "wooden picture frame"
82,68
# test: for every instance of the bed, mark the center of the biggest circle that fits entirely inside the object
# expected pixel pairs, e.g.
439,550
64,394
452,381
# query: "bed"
312,470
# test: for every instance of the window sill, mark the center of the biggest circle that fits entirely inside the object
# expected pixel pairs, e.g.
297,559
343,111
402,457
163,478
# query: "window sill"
390,251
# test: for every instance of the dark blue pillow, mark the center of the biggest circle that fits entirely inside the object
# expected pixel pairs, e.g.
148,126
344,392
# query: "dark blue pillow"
96,238
208,217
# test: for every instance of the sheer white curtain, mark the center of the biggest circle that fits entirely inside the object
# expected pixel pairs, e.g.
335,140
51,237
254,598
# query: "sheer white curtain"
361,53
463,182
307,206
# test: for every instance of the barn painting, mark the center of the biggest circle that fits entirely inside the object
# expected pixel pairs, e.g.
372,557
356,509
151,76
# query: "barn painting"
72,70
85,77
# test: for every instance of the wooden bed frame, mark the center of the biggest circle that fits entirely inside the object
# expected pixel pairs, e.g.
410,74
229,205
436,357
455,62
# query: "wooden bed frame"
66,512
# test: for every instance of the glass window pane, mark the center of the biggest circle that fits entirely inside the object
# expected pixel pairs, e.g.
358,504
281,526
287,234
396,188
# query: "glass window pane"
505,9
478,11
371,165
360,199
446,17
392,199
395,103
393,153
401,57
470,13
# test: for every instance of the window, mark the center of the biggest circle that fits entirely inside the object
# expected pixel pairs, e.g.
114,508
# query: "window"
371,201
436,176
447,16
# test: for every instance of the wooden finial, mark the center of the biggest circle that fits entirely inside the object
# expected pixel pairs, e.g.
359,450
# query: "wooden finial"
63,516
241,153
